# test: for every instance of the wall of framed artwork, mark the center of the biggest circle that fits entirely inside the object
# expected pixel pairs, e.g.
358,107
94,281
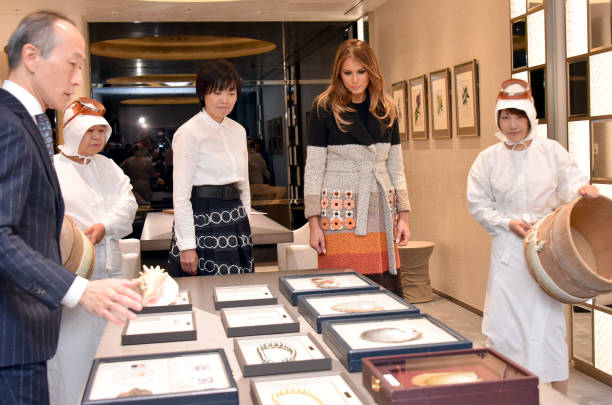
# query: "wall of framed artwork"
399,96
436,169
417,97
440,96
466,98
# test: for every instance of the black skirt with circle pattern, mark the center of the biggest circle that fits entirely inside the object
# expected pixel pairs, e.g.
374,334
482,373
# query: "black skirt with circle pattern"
223,238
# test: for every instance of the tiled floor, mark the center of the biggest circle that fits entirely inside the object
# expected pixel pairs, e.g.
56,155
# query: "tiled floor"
582,388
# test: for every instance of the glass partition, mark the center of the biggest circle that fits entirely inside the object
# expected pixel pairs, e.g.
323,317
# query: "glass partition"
600,13
519,44
578,88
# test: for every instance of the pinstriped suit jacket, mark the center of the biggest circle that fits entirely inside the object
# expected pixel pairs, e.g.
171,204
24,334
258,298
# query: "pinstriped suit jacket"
32,282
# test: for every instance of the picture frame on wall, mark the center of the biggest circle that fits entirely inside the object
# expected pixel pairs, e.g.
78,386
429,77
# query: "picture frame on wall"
466,99
399,96
418,107
439,85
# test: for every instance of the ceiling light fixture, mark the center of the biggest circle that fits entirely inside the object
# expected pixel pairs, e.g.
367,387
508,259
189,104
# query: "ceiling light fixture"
161,101
181,47
165,79
191,1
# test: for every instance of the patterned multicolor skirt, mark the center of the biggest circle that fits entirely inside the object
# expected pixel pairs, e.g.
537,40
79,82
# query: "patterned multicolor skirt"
366,254
223,237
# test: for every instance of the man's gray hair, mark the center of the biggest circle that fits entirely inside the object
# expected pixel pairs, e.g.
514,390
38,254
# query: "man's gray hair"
37,29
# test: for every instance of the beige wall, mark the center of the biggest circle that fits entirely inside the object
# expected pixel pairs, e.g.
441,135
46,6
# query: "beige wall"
11,16
420,36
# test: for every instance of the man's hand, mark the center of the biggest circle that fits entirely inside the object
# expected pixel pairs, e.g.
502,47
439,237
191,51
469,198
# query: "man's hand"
519,227
111,297
189,261
95,233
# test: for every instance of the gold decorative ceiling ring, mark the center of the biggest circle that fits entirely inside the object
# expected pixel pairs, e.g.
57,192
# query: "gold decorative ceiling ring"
161,101
159,80
182,47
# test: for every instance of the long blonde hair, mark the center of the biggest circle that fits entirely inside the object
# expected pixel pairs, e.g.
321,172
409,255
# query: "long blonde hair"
337,96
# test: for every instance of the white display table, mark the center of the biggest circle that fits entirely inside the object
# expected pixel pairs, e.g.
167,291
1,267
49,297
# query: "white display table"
211,335
157,231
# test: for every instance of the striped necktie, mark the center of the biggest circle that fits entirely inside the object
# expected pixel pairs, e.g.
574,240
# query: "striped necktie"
46,131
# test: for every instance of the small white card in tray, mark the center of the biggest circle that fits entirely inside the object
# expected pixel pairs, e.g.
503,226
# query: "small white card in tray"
178,322
258,320
323,389
160,328
257,316
242,296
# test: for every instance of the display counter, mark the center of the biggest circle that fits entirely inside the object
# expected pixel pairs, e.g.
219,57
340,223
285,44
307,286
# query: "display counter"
157,231
211,333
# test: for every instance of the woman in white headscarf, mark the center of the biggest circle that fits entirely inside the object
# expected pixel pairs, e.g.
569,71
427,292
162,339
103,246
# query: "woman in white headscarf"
98,197
511,185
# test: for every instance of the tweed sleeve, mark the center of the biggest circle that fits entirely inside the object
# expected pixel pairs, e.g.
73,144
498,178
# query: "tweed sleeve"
395,166
316,160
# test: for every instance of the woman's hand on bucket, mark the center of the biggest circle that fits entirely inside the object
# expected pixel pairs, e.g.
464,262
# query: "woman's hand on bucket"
519,227
589,191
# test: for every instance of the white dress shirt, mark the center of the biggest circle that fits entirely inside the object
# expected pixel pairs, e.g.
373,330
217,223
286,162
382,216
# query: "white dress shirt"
74,293
206,152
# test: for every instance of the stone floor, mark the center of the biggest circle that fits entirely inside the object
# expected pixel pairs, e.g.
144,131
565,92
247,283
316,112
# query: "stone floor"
582,388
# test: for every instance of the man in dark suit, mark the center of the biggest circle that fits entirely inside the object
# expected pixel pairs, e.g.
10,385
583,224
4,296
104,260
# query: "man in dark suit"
46,54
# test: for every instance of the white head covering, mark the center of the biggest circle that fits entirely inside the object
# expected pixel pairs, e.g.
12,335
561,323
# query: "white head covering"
516,93
75,126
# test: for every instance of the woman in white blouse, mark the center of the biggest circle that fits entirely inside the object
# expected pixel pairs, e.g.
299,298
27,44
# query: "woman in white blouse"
211,232
98,197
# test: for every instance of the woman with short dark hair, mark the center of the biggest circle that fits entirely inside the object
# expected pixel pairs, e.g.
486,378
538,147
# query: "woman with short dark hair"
211,233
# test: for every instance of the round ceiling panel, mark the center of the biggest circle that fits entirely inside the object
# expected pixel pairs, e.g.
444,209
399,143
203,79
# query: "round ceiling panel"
183,47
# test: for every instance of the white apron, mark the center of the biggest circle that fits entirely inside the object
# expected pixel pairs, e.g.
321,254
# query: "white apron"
520,320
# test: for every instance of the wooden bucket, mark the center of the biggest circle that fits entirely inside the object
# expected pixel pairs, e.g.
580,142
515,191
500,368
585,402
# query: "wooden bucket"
569,252
78,253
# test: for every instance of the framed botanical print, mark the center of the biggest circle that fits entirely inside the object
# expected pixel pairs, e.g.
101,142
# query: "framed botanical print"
440,95
399,96
466,99
418,107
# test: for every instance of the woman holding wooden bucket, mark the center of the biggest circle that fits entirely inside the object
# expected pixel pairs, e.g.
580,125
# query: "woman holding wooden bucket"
98,197
511,185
